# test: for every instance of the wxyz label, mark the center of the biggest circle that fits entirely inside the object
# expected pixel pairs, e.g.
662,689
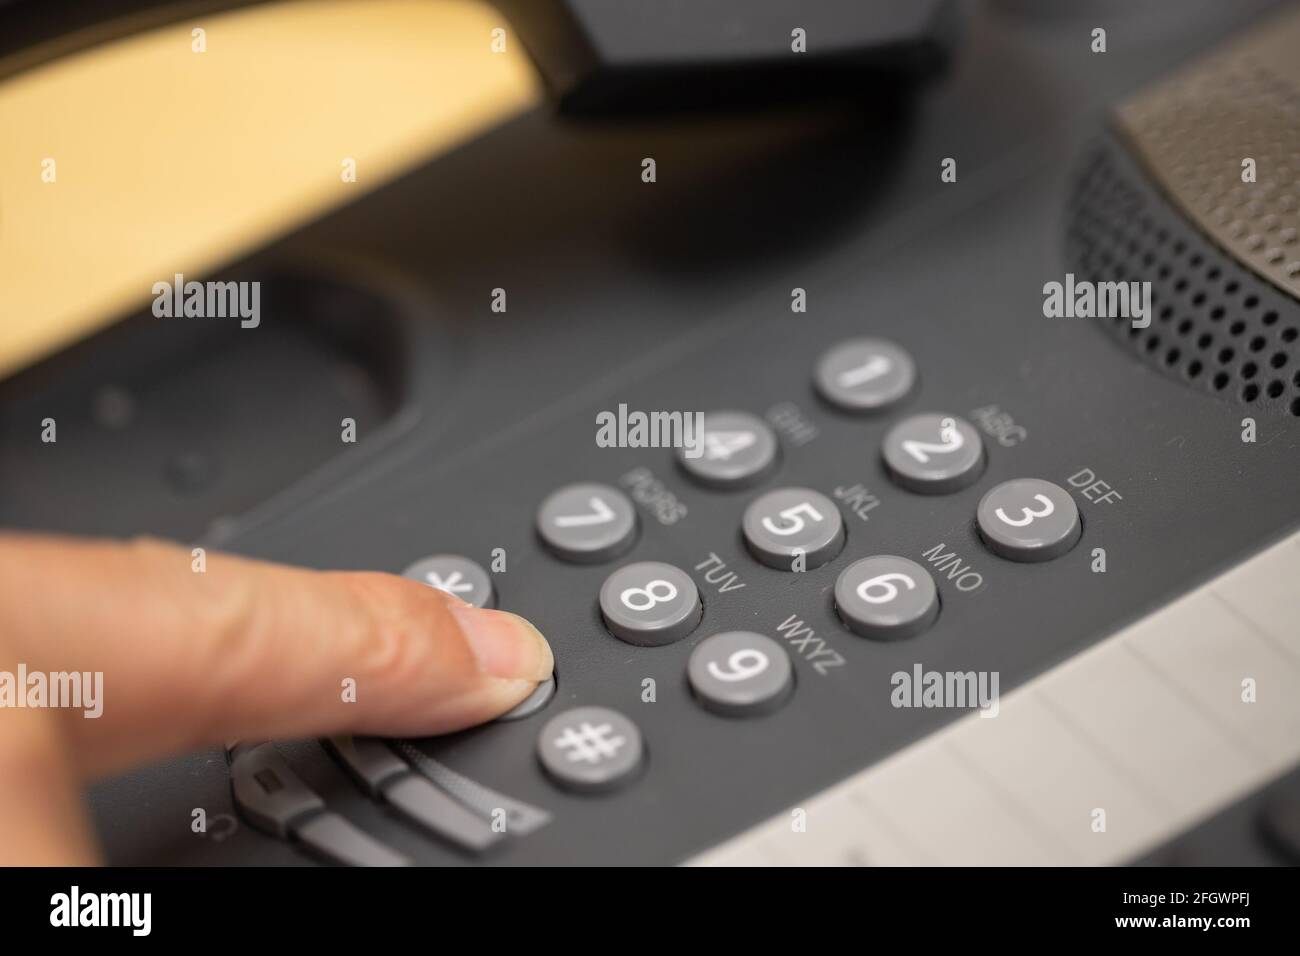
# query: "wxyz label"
805,643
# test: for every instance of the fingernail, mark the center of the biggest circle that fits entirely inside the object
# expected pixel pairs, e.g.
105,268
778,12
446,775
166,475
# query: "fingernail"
504,644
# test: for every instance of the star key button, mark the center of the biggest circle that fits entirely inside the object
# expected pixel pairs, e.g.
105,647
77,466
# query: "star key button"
456,575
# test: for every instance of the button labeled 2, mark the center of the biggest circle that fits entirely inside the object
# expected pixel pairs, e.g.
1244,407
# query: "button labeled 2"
934,454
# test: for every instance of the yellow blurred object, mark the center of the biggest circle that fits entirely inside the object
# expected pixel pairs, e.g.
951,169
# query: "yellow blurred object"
167,160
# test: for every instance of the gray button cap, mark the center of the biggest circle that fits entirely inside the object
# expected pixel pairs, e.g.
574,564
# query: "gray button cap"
886,597
934,454
787,522
650,603
456,575
539,698
590,749
1028,519
740,674
738,449
864,375
587,523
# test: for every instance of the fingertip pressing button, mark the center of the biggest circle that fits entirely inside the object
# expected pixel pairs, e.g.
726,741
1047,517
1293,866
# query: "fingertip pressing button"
539,698
457,575
587,523
1028,519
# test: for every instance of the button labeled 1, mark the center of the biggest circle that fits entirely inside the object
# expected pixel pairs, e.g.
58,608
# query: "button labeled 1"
740,674
1028,519
886,597
791,525
590,749
864,375
587,523
650,603
456,575
738,449
934,454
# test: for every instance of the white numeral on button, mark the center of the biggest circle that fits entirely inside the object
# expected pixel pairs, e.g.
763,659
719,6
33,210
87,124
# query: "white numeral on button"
873,368
744,664
922,450
650,598
794,515
725,444
600,514
885,582
1029,513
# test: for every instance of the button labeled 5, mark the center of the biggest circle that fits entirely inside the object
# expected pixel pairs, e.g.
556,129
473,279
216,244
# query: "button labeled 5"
790,525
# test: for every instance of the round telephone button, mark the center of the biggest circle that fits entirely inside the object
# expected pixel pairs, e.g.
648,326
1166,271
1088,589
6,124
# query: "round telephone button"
1028,519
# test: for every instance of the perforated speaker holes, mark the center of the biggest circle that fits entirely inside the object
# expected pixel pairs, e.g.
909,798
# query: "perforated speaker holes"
1215,325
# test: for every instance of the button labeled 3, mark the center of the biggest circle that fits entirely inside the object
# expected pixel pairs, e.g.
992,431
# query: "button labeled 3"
650,603
590,749
934,454
456,575
864,375
792,525
739,448
587,523
886,597
1028,519
740,674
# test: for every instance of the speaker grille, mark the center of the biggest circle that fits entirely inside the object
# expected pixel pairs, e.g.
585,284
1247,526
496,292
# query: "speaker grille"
1229,117
1216,325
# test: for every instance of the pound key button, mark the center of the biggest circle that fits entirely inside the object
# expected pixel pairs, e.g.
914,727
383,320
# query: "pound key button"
590,749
